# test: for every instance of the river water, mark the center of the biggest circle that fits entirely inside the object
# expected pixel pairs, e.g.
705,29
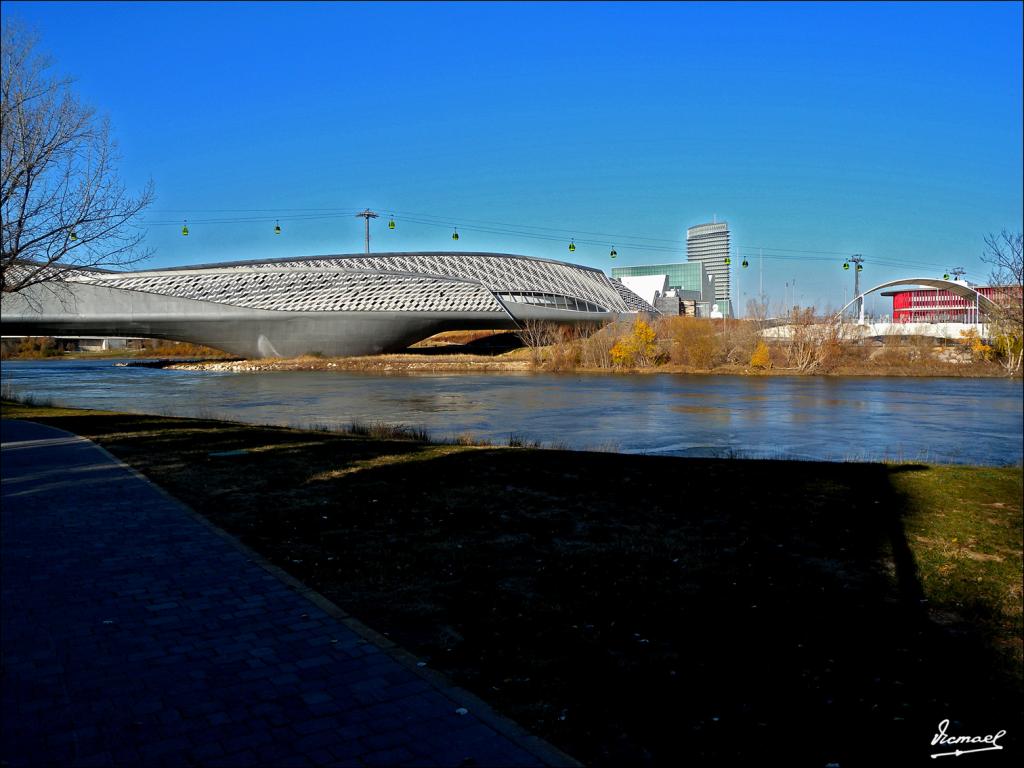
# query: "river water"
964,421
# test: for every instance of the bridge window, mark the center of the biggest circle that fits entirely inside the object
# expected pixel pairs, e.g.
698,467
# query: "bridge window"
551,300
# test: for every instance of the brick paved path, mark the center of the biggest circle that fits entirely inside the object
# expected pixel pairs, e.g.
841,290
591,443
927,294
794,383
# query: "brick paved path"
133,633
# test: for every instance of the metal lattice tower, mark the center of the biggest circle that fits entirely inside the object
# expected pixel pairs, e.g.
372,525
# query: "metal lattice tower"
857,260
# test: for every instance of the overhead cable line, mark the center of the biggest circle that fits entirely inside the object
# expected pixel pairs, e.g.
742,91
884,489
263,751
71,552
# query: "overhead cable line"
249,210
565,232
639,243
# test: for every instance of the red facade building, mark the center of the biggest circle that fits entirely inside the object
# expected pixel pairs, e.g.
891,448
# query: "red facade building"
931,305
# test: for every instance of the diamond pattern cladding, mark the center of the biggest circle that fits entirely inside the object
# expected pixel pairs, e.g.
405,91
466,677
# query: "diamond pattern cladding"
499,273
312,291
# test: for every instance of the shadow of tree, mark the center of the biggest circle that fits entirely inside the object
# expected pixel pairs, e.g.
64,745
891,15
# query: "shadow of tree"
657,610
633,610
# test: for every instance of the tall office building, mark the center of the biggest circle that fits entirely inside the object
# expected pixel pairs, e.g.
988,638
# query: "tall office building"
709,244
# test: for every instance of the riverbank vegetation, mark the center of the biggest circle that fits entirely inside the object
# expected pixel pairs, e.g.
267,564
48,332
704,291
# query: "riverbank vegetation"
808,345
48,347
804,343
634,609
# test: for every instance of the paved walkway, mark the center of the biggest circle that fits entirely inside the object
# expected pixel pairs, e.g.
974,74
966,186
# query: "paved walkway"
135,633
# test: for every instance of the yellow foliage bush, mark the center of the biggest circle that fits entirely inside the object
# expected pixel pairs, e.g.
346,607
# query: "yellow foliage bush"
762,357
971,339
637,348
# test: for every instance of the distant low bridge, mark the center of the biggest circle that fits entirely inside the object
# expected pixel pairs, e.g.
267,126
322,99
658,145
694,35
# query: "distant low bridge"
863,331
983,306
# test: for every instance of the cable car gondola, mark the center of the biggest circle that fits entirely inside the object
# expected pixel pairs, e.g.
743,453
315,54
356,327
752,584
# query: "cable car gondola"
614,253
184,228
455,233
572,247
277,228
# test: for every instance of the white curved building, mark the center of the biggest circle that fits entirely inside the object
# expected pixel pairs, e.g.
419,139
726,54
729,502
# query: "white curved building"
332,305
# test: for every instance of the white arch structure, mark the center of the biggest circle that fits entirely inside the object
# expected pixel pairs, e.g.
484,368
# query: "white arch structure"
981,303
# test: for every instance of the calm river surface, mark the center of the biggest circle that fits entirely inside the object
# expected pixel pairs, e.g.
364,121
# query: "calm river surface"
967,421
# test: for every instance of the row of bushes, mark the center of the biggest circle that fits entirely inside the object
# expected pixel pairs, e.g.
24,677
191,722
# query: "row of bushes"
34,347
815,344
31,347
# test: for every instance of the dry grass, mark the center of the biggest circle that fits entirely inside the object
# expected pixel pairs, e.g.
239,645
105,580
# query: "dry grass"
693,342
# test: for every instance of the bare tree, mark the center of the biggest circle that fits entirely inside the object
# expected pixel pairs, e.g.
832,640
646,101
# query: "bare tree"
815,342
62,207
757,309
536,335
1003,255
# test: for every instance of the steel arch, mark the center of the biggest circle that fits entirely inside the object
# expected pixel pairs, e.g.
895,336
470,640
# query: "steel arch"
984,303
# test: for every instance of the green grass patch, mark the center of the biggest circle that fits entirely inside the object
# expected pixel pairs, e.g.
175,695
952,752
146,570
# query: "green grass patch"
964,526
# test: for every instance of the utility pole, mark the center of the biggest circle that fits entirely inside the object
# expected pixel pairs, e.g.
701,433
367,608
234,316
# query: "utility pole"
367,215
857,260
760,279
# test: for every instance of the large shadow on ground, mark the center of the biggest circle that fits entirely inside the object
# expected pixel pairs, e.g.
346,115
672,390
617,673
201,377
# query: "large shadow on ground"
633,610
666,610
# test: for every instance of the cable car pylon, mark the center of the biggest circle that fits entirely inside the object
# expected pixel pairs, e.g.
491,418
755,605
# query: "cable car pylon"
367,215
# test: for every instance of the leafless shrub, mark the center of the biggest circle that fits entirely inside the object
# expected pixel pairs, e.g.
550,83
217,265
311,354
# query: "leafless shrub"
564,352
694,341
596,349
757,309
739,340
1003,255
815,343
536,335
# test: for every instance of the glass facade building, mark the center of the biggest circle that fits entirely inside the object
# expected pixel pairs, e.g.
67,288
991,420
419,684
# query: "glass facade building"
684,276
688,278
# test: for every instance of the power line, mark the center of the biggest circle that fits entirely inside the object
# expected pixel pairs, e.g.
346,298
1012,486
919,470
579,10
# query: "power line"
425,218
639,243
449,221
243,220
792,250
563,231
249,210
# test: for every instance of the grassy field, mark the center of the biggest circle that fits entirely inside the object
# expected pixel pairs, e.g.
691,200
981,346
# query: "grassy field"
640,610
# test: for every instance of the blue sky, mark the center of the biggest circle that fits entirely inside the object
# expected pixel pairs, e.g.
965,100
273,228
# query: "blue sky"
890,130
